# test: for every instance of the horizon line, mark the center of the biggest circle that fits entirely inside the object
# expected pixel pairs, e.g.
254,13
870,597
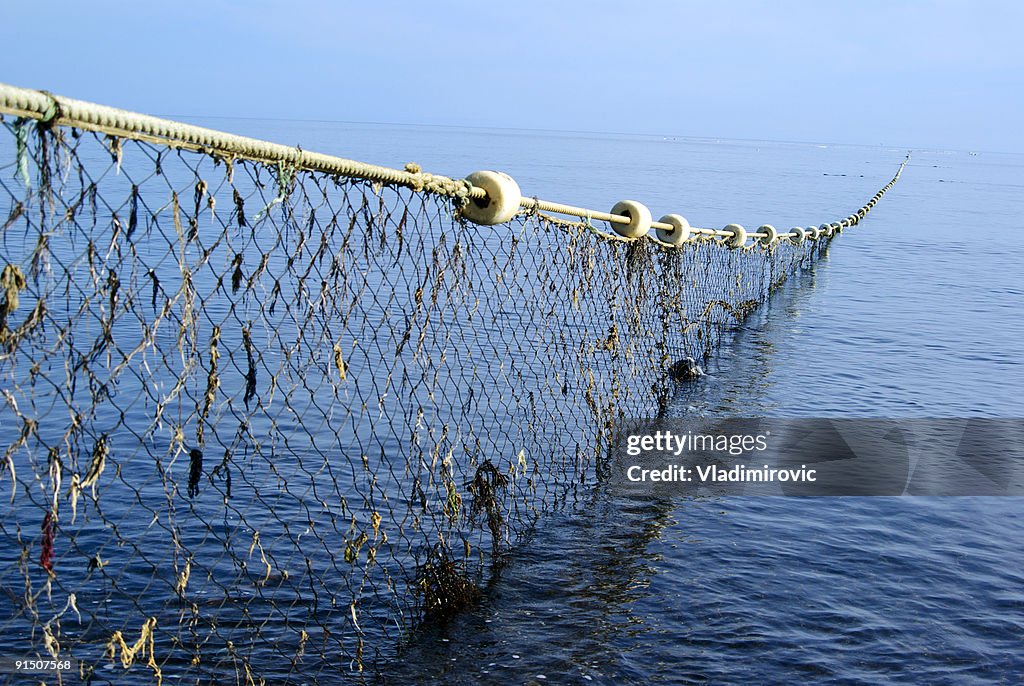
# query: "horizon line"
593,132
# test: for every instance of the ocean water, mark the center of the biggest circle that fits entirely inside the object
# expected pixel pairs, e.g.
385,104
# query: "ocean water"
914,313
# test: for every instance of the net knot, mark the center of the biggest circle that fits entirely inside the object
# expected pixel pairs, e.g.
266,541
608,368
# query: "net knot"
53,110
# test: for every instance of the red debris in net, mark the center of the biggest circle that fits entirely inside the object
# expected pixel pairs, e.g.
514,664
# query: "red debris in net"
49,533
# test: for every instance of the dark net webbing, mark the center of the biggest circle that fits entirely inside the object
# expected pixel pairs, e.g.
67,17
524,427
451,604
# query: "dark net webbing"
260,422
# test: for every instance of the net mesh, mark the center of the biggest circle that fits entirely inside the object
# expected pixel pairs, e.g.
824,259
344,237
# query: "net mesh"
258,421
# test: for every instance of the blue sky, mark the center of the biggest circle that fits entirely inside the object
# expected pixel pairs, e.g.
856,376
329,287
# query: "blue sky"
912,74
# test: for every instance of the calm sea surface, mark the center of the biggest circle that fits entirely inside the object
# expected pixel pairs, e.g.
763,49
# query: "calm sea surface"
914,313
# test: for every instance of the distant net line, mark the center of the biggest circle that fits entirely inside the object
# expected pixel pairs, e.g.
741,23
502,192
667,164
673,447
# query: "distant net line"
261,418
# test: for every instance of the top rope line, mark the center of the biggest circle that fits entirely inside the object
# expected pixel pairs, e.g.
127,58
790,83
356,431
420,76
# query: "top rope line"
490,197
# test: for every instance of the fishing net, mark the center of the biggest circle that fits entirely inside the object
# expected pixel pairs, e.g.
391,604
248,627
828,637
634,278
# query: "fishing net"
259,421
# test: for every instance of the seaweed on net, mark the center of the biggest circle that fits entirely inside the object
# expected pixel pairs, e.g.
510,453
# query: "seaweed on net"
444,585
487,488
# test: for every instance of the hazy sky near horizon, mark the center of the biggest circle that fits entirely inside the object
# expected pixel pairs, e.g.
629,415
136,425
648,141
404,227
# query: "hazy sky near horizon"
914,74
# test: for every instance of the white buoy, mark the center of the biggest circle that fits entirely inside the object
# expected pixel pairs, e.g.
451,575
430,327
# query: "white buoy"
680,232
501,203
639,218
771,235
739,236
